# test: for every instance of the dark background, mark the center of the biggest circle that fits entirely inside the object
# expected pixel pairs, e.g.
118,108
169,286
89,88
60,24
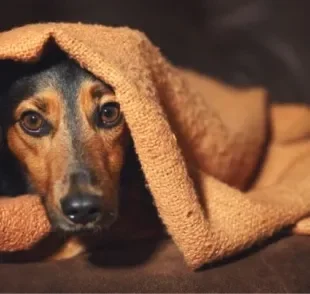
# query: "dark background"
243,42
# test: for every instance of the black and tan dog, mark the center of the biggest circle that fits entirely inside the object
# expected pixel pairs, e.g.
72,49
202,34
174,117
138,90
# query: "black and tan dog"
65,139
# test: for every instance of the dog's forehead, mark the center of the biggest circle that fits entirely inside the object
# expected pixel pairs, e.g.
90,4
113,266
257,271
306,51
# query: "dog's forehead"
66,77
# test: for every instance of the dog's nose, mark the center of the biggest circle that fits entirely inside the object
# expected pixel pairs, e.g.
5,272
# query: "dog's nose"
82,209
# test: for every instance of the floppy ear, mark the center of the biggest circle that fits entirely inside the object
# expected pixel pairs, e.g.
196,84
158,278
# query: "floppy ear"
5,77
1,137
10,71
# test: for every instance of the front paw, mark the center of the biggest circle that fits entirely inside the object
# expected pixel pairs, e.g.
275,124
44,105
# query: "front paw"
302,227
70,249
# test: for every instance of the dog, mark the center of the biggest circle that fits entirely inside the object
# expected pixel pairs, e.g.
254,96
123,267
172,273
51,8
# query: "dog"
64,138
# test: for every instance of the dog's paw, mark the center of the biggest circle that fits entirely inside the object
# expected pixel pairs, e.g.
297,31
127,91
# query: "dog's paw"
70,249
302,227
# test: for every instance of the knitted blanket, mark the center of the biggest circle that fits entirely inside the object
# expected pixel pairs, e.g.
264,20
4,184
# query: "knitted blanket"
200,145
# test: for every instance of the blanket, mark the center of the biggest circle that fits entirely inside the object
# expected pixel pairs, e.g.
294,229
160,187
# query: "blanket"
219,181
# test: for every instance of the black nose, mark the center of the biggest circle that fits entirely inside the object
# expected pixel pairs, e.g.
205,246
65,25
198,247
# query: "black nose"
82,209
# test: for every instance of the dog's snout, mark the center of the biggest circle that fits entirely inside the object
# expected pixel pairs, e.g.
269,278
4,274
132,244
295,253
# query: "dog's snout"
82,209
80,177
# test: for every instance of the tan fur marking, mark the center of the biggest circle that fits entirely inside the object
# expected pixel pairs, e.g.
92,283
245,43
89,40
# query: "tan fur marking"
49,159
105,147
71,248
45,158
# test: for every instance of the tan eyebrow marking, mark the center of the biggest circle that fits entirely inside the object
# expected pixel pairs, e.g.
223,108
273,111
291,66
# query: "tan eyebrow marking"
40,104
99,89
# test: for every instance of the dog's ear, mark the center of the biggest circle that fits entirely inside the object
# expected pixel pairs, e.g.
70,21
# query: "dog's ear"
9,72
1,137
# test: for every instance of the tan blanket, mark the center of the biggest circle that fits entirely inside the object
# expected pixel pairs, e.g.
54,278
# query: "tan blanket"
200,144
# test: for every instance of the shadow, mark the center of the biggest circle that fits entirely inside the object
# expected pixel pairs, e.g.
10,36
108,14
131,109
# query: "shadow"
42,250
127,254
108,254
255,175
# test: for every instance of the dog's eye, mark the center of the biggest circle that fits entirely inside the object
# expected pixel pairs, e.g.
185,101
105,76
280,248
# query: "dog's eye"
32,122
109,114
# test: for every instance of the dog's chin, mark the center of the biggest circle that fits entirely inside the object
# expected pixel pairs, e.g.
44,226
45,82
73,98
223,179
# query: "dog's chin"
73,229
61,224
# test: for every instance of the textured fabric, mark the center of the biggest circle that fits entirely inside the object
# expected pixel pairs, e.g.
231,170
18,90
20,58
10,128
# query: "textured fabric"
199,144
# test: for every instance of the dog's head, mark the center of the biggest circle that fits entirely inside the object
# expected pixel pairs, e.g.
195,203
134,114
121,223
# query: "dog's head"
67,130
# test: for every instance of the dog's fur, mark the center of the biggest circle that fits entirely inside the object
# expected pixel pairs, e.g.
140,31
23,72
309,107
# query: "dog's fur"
74,152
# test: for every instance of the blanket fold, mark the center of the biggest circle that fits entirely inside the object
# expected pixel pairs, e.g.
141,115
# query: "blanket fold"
199,143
